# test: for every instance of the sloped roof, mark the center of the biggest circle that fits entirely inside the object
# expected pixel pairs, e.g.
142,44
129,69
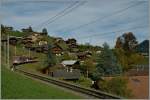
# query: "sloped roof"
69,62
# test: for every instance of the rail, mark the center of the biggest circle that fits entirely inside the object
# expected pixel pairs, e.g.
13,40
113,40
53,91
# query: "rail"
87,91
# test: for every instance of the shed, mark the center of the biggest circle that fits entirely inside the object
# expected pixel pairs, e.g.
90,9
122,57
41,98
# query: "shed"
64,74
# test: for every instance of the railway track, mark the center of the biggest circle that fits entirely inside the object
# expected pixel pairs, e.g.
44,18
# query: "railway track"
87,91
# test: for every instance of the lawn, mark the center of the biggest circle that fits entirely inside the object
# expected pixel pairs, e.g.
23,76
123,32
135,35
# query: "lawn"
16,86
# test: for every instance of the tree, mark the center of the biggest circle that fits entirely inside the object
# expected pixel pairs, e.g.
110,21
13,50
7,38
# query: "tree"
88,67
30,29
107,62
66,56
127,41
122,58
50,61
127,61
44,31
2,29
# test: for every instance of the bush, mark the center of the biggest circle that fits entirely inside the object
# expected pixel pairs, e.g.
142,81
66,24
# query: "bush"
117,86
85,81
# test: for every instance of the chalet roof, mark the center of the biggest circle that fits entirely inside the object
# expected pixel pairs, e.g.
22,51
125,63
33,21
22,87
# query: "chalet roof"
71,40
69,62
62,73
56,46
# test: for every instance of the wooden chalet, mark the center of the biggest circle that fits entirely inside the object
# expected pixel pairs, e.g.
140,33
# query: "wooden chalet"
13,40
70,64
8,28
67,70
42,42
26,30
72,43
27,42
26,39
83,55
34,36
57,50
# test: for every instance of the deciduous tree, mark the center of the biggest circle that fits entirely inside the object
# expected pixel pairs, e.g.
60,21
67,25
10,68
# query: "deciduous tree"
127,41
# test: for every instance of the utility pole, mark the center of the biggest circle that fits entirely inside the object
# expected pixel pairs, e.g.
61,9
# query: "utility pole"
8,51
5,51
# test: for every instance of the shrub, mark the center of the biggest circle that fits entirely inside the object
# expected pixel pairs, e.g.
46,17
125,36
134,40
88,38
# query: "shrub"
85,81
117,86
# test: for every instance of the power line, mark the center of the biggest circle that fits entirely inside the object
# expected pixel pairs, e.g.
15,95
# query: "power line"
64,12
70,6
115,13
70,10
136,20
108,33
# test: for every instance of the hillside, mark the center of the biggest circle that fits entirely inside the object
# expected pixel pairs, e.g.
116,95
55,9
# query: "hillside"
16,86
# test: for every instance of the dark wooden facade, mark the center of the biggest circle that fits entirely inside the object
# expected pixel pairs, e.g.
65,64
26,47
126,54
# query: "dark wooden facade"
57,49
72,43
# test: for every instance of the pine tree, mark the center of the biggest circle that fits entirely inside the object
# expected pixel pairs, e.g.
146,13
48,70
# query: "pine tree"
30,29
107,62
50,61
44,31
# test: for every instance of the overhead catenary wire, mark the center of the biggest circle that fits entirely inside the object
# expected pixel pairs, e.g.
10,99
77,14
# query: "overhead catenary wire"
70,6
109,33
70,10
64,12
100,19
132,21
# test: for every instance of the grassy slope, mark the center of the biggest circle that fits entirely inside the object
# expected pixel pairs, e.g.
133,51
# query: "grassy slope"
15,85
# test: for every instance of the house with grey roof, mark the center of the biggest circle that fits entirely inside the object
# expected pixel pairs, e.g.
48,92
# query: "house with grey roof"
71,64
69,70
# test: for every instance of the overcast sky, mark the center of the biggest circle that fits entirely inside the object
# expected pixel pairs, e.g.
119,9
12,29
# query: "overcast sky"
94,21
